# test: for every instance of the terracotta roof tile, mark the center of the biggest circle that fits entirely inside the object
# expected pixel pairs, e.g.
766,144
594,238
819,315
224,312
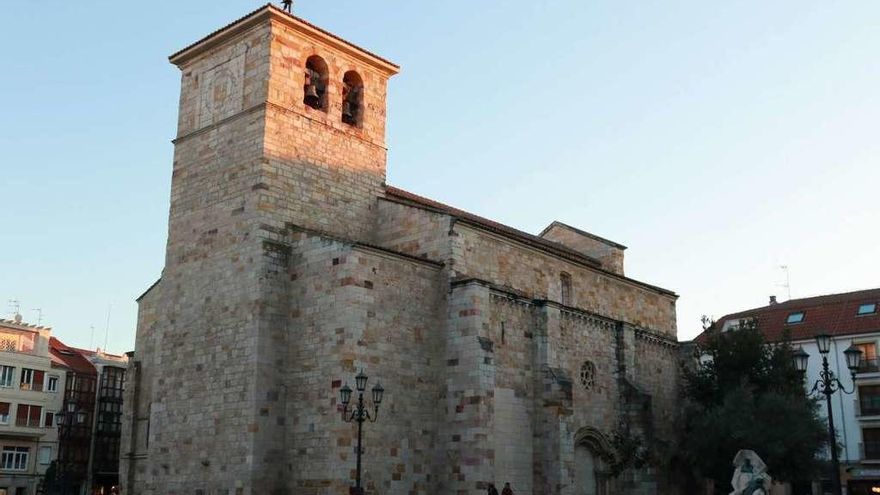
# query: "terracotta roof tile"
834,314
71,357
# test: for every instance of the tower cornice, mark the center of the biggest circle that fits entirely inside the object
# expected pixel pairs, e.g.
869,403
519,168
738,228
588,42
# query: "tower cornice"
270,13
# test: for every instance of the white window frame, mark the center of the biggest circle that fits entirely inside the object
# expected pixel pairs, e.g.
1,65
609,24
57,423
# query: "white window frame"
7,376
4,420
52,383
14,458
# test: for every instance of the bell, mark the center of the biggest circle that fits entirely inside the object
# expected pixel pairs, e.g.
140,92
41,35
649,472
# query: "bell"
312,97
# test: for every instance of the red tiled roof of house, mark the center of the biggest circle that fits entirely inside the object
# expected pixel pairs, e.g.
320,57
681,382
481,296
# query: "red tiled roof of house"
72,358
499,228
834,314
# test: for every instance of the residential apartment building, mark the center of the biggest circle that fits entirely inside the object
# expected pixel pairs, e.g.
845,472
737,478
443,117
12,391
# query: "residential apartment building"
75,434
851,318
107,426
32,383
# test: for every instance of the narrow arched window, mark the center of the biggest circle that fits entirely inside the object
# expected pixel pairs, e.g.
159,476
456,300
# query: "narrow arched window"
565,288
315,83
352,98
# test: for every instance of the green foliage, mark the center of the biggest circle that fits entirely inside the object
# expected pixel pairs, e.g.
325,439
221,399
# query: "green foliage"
631,452
749,396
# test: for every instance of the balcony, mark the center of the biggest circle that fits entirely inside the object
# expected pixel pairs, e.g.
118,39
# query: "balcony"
28,423
871,365
35,387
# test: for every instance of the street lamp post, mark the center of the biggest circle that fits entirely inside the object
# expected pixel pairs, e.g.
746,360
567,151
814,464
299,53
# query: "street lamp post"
360,414
68,418
828,384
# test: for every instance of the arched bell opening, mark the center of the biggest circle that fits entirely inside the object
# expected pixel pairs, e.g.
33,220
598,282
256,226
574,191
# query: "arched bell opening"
352,98
315,83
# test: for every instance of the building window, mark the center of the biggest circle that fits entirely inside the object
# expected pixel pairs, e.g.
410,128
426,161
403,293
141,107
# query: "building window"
867,309
352,98
4,413
869,362
871,442
14,458
869,400
565,283
45,455
315,84
6,376
112,383
588,375
32,379
795,318
50,420
28,415
52,384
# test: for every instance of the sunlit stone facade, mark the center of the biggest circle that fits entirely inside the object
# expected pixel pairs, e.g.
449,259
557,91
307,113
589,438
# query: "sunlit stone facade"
506,357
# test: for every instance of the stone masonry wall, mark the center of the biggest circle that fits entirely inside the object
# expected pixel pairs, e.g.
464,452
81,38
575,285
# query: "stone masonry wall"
610,256
511,330
656,372
199,351
582,339
136,412
319,172
355,308
536,274
413,231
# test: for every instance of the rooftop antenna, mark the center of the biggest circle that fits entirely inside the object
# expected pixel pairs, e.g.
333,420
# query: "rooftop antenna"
92,338
287,5
107,331
787,283
15,305
39,315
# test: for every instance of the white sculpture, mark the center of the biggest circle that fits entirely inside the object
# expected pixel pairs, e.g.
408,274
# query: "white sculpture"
750,476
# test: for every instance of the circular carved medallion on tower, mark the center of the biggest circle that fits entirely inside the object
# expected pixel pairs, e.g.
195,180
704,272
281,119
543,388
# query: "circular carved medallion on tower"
588,375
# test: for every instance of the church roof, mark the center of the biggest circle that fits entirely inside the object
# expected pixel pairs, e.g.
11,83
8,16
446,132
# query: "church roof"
510,232
834,314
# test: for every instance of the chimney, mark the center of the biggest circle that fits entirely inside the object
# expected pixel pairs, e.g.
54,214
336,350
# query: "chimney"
772,300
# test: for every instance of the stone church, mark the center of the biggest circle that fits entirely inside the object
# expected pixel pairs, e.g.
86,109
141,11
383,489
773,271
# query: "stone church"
291,265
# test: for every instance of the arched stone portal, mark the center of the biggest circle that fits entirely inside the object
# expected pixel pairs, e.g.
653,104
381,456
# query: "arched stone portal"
592,455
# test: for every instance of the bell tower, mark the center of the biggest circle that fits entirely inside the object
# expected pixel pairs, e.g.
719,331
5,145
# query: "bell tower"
281,123
315,111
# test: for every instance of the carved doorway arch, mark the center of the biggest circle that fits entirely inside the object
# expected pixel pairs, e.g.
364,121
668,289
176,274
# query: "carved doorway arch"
593,455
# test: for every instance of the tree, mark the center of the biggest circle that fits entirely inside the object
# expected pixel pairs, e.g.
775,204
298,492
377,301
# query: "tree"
748,395
50,483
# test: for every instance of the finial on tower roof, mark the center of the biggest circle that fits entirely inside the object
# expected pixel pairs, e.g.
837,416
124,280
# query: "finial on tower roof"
288,5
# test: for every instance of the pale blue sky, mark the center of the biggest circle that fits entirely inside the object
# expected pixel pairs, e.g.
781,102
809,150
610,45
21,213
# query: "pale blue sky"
718,140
